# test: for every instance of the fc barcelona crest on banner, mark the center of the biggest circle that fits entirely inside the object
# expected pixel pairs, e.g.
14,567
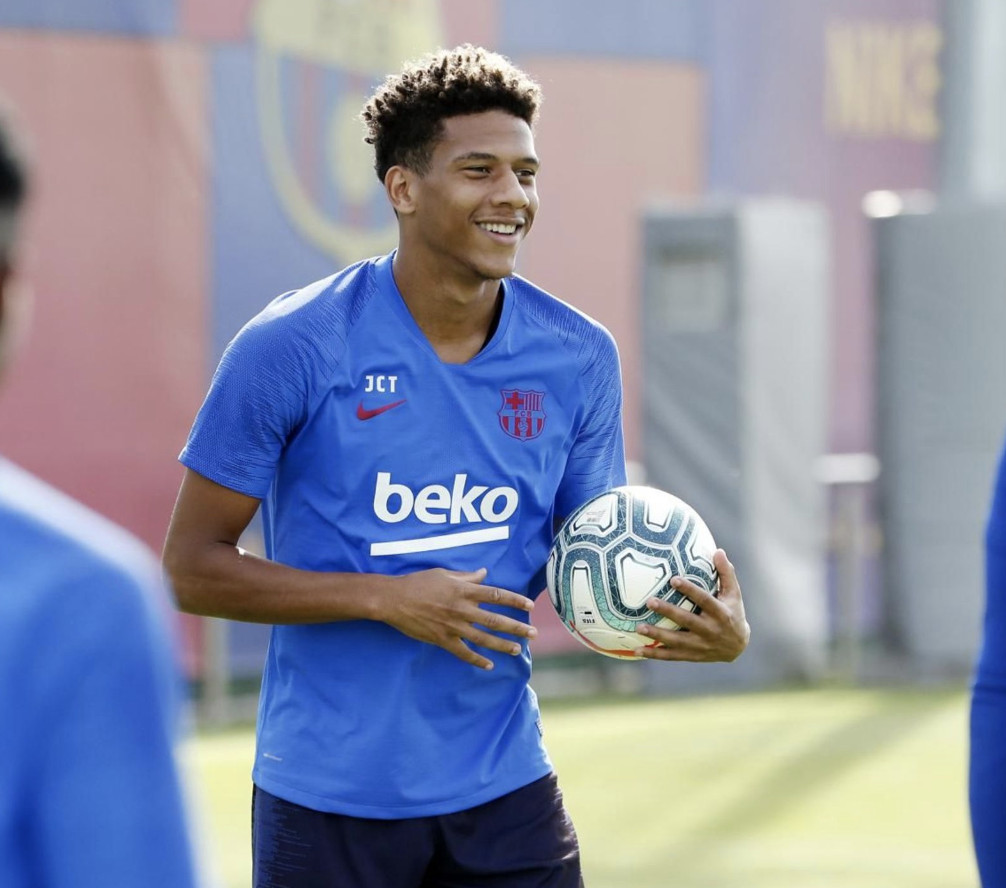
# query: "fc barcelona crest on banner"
522,415
317,61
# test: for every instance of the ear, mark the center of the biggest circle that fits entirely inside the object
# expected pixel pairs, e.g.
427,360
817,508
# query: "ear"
400,186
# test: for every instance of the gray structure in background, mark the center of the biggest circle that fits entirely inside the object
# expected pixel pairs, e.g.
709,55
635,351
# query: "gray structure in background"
735,315
941,290
942,378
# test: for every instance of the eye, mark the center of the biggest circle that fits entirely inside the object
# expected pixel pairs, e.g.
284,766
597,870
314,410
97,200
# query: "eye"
478,170
526,175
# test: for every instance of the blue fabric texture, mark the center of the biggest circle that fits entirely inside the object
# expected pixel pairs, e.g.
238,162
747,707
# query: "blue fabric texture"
988,705
89,793
372,455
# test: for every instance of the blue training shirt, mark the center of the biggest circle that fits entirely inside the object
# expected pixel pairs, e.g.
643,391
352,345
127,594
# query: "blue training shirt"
89,792
372,455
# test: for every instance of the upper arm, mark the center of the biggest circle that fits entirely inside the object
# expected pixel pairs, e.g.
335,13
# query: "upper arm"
206,514
259,396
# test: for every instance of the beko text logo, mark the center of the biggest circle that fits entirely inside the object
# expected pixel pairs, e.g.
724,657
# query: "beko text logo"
440,504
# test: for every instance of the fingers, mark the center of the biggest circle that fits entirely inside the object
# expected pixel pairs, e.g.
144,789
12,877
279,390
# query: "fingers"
465,653
497,622
695,636
718,604
728,576
494,594
493,642
682,616
458,612
502,598
676,649
686,617
460,646
701,598
717,631
693,646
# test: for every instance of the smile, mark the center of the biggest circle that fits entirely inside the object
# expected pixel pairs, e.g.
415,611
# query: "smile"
499,227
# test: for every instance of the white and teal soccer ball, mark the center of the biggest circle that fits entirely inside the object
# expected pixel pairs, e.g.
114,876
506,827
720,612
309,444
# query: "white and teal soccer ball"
617,551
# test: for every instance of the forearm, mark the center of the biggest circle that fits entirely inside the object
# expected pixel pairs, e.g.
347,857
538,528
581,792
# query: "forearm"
222,580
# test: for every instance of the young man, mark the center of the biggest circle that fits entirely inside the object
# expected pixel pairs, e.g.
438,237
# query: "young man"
413,426
89,793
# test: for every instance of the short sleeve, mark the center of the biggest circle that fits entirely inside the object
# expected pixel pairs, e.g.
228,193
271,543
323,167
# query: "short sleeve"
597,459
256,400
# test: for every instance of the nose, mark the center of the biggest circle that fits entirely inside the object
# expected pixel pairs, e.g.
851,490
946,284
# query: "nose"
511,192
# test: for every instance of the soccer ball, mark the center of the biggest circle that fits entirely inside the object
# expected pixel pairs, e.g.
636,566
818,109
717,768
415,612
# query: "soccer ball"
618,550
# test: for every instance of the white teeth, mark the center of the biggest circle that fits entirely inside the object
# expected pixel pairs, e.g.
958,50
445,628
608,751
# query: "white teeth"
498,227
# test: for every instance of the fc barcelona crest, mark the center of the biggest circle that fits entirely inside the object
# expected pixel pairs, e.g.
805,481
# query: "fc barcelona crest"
522,415
316,62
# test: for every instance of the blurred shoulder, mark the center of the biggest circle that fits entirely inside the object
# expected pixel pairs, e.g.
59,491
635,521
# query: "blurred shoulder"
53,545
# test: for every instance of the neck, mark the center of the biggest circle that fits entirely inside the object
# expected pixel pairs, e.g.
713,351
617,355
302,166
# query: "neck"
454,311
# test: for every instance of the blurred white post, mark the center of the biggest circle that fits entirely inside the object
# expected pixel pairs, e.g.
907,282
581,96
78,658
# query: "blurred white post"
216,708
849,475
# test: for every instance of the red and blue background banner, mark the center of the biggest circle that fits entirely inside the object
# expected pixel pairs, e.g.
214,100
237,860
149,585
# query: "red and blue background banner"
194,160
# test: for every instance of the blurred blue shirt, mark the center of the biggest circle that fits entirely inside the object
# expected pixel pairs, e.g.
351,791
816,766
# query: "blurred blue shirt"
987,766
89,792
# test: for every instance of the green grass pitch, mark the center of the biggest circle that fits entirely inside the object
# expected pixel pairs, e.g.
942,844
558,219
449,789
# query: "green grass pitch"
800,789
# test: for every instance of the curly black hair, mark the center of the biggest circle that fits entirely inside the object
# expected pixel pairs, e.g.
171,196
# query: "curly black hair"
405,116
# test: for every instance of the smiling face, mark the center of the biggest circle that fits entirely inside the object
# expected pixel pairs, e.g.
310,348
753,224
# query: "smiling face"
468,213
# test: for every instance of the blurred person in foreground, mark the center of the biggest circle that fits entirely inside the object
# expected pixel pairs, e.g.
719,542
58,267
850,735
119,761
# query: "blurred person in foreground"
414,426
988,704
89,792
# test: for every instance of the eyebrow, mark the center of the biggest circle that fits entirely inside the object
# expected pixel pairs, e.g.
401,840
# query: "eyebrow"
484,155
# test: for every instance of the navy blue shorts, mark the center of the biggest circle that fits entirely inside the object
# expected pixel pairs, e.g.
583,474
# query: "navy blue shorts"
524,839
